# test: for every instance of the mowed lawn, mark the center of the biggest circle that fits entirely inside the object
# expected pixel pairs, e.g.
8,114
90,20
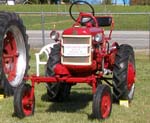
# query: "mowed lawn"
78,109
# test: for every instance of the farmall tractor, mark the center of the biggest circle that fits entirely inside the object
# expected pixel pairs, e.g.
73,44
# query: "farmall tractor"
83,54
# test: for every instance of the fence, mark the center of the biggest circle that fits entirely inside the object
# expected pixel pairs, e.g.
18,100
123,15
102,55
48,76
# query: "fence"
130,27
62,20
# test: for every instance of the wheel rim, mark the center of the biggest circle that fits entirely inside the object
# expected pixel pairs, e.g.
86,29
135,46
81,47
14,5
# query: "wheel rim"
105,105
14,56
27,103
131,75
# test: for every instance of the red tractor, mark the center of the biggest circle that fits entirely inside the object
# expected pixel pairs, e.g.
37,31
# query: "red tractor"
84,55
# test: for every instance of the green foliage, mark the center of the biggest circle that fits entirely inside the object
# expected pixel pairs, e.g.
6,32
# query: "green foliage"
140,2
35,1
106,2
66,1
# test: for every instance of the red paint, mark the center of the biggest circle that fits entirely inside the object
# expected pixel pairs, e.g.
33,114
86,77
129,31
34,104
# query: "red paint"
131,75
68,79
10,56
82,70
27,102
105,105
61,70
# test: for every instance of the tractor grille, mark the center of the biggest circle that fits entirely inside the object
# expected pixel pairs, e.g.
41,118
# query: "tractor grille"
76,50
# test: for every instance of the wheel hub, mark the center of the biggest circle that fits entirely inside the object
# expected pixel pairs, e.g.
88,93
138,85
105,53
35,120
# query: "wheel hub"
131,75
105,105
27,103
10,56
14,57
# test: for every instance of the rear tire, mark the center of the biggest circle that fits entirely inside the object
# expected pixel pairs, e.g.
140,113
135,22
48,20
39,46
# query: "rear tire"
23,104
14,52
124,74
56,91
102,102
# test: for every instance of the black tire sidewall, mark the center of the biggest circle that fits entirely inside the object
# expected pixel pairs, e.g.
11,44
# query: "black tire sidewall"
8,20
120,72
62,90
97,100
19,93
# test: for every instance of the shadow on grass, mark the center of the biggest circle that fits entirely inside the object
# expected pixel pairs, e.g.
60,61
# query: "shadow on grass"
75,102
1,91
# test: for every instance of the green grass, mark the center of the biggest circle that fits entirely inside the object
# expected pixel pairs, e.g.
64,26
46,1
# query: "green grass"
65,8
79,108
122,22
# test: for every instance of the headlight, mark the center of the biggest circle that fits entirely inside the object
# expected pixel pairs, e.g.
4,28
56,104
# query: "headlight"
54,35
98,37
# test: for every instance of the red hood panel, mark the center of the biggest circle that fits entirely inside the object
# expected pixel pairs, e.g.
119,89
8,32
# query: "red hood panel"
82,31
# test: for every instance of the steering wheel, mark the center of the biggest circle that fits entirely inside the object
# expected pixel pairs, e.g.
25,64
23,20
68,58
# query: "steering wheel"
78,5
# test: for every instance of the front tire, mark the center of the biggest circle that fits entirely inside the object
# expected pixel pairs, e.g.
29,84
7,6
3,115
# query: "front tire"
14,52
56,91
102,102
124,73
23,104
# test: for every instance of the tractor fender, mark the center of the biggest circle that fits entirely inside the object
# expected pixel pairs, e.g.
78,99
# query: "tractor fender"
60,69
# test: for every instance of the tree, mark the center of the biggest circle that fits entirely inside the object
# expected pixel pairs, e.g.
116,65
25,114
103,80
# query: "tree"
140,2
106,2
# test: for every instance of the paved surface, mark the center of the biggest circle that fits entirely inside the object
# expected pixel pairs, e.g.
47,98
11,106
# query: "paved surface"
138,39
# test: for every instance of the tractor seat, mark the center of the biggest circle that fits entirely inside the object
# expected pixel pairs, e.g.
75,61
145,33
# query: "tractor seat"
104,20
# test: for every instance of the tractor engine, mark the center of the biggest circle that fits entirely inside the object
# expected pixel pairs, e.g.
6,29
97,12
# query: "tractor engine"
83,51
78,52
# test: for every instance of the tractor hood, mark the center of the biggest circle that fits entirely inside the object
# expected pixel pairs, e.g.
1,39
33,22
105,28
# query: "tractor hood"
77,51
82,31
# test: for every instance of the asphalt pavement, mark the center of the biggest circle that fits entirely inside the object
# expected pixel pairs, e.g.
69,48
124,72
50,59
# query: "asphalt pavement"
137,39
